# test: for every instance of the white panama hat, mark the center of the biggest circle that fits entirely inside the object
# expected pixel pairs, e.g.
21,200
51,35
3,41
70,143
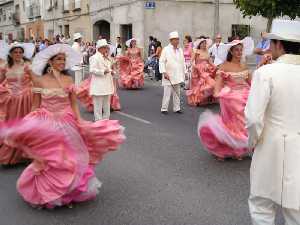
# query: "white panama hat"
41,59
77,36
209,42
174,35
248,48
29,48
285,30
102,43
4,49
128,42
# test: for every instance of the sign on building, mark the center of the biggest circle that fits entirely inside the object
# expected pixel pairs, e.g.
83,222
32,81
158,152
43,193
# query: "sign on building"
150,5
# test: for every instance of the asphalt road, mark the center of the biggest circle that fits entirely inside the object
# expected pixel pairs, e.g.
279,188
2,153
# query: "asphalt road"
160,176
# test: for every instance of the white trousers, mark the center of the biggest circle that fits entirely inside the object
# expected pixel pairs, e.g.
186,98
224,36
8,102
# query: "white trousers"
263,212
78,77
101,107
168,91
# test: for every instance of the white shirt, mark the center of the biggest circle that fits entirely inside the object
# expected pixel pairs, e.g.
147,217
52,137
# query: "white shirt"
214,51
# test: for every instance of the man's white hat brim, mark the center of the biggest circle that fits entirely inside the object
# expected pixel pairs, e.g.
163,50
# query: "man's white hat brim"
285,30
285,37
41,59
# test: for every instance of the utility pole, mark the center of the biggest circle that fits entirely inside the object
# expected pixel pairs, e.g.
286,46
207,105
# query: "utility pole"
217,17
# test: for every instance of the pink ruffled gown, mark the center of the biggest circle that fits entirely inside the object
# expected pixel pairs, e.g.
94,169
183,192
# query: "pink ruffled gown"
131,70
84,97
202,83
15,103
64,151
225,135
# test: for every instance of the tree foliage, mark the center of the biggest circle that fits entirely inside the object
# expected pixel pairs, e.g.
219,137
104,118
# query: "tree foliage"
269,9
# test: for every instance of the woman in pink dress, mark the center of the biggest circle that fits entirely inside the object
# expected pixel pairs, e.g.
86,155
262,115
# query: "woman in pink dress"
188,53
224,135
15,97
203,74
131,67
86,99
64,148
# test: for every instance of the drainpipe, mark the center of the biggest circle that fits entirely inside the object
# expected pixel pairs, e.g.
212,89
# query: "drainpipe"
217,17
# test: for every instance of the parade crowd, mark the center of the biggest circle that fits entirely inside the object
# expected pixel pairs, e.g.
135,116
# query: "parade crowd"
41,125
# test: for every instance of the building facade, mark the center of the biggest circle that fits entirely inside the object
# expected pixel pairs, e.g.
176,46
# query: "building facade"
140,19
66,17
7,22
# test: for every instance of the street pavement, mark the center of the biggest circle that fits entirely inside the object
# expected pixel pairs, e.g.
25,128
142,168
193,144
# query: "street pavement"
160,176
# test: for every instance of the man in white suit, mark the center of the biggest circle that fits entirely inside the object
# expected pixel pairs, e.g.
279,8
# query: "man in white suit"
102,86
78,68
273,122
172,66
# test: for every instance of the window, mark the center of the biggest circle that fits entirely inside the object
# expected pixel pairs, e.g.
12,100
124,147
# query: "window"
240,30
66,5
67,31
77,4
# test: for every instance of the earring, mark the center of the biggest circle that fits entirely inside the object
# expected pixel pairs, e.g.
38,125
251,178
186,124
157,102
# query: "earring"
49,70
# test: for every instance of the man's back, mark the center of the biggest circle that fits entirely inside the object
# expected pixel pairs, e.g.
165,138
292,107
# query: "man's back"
283,78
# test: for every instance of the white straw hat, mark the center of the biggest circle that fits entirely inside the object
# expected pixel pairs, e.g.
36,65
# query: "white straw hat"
209,42
248,48
128,42
285,30
29,48
41,59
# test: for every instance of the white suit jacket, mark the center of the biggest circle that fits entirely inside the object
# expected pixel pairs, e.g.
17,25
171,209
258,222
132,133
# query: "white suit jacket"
273,121
214,51
77,48
101,84
173,64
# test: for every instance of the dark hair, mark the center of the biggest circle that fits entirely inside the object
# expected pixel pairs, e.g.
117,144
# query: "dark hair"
289,47
229,55
151,38
158,44
10,61
198,47
189,38
45,70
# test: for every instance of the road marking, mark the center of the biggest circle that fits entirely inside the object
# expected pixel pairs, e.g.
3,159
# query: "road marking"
134,118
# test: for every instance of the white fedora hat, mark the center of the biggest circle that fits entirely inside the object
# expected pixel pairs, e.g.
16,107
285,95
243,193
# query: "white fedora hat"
285,30
174,35
77,36
102,43
41,59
